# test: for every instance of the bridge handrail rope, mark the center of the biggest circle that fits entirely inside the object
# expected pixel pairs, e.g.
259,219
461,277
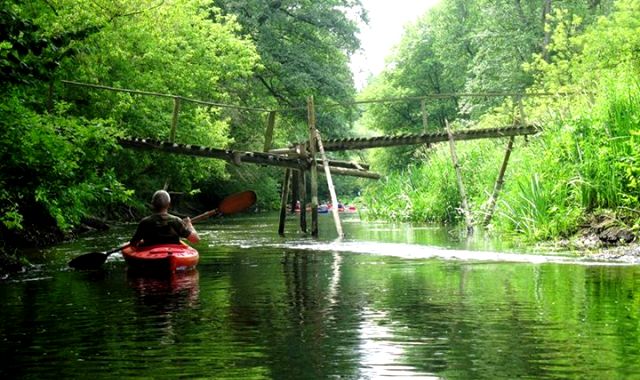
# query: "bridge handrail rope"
325,105
161,95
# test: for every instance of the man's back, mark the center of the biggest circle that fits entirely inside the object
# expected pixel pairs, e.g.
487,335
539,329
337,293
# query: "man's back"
160,229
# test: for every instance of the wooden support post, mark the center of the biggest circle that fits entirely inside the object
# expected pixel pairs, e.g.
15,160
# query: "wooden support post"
463,194
425,116
332,190
283,201
268,136
311,115
303,200
295,189
425,119
523,118
491,205
499,182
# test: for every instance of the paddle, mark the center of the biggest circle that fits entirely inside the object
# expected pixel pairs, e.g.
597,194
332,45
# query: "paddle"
230,205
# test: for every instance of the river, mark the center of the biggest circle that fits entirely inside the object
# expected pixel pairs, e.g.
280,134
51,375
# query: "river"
389,301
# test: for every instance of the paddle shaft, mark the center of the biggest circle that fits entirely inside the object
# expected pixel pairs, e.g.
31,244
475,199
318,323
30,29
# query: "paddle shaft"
204,215
117,249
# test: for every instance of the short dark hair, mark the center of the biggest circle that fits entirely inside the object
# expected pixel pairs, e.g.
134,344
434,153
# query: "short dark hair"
160,200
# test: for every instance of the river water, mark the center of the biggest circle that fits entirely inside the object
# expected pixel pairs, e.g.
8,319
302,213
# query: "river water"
389,301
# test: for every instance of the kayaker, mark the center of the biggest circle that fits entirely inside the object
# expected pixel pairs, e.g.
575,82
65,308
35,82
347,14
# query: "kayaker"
162,227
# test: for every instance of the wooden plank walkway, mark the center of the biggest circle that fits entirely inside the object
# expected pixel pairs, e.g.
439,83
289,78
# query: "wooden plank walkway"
426,138
337,167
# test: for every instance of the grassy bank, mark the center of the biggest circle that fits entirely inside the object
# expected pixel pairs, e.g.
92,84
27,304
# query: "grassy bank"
581,170
580,165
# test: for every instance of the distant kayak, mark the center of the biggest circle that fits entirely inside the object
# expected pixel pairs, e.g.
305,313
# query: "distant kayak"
161,257
325,208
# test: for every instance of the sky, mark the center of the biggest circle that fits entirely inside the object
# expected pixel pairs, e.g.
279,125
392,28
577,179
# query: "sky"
387,19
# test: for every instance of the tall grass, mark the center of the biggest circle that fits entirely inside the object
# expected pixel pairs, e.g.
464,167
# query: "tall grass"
579,166
585,161
427,190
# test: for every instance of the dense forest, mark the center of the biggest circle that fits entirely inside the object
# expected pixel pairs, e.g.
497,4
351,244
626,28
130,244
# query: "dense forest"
61,163
577,64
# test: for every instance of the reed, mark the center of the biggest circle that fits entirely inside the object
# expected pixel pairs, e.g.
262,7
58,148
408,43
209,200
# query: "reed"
585,161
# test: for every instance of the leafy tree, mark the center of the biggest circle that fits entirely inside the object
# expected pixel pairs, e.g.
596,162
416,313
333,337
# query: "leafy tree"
304,48
187,54
64,150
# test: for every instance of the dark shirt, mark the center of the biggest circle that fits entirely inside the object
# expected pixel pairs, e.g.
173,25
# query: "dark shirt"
160,229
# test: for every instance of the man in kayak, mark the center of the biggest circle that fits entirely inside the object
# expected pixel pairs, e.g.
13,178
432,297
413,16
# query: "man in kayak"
162,227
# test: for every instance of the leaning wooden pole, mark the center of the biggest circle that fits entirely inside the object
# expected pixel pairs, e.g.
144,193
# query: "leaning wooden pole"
283,201
499,183
463,194
491,206
311,115
332,190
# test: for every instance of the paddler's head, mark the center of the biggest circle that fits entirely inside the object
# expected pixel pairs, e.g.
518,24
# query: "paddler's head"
160,201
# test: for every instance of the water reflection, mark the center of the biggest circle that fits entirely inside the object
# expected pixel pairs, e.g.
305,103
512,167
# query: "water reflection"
260,306
382,354
166,291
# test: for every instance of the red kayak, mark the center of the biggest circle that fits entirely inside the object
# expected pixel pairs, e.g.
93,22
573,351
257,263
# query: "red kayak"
161,257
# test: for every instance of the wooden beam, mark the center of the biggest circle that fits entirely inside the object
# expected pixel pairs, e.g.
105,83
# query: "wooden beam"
295,189
503,168
283,201
303,200
239,156
336,163
353,172
311,116
332,190
463,194
499,183
432,137
227,155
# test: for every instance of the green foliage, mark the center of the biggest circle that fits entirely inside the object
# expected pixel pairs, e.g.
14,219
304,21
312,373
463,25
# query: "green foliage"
586,158
61,155
304,48
51,160
186,54
429,192
66,159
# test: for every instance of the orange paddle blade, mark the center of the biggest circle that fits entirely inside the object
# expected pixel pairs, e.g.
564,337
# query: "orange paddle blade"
237,202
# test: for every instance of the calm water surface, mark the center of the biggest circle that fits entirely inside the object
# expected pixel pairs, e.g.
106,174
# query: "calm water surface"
389,301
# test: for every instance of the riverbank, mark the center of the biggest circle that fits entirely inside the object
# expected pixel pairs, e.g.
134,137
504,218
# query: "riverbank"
604,238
